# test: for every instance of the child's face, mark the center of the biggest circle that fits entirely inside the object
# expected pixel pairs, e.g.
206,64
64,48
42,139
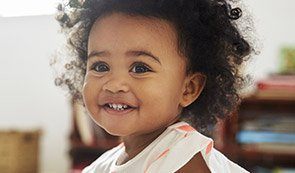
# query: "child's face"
133,61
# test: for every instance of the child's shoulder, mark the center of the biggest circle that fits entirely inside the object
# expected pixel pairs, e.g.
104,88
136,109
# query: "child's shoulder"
186,144
176,147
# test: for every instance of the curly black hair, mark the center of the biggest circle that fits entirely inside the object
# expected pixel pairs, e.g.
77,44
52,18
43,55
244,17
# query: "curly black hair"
208,36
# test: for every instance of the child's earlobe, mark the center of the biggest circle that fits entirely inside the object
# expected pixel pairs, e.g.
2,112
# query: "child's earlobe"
194,85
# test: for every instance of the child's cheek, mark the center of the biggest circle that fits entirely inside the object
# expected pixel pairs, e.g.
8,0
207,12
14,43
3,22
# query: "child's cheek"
88,90
85,91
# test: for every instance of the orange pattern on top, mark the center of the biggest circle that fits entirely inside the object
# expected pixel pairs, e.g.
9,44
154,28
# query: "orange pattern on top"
161,155
187,128
209,147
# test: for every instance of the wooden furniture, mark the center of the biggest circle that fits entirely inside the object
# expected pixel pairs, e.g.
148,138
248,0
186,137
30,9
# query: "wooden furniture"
20,151
250,157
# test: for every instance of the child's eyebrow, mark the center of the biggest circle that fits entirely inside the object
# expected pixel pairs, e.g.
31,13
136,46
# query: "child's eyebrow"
98,54
143,53
128,53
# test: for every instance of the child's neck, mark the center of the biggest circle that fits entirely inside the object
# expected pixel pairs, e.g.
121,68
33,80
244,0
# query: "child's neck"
134,144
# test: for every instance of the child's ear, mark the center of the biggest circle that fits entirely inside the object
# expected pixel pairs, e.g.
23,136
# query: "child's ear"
193,87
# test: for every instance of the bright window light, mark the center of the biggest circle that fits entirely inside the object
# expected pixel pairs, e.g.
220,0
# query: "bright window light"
13,8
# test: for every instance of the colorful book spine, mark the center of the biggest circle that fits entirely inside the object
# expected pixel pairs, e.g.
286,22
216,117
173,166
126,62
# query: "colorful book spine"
246,136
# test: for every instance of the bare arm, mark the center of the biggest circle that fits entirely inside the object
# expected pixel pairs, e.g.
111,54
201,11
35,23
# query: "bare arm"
196,165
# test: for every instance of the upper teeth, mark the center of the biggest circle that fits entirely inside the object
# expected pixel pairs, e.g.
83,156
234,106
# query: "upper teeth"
117,106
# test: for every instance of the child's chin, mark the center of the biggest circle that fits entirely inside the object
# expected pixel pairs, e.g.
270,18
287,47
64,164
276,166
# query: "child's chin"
114,133
117,131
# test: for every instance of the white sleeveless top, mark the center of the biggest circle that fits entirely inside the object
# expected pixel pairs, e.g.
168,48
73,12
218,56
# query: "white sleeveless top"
166,154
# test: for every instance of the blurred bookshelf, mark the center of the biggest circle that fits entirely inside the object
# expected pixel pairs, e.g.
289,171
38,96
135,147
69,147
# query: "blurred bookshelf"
260,135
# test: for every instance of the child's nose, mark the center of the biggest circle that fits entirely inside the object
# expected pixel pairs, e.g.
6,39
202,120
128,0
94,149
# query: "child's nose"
116,84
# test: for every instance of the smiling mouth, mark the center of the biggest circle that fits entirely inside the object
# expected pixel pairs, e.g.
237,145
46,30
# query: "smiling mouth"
117,108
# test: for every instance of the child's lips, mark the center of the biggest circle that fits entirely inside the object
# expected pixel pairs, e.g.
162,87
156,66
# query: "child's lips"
117,112
124,105
118,104
118,101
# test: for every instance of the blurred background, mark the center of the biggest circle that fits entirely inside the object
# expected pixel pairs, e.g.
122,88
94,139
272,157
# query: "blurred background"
43,131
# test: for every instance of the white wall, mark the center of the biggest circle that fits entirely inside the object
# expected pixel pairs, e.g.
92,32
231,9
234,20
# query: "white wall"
275,23
28,97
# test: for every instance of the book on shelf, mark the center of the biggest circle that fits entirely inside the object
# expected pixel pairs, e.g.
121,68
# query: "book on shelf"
275,94
283,170
287,60
278,82
276,87
274,123
259,169
249,136
279,148
271,132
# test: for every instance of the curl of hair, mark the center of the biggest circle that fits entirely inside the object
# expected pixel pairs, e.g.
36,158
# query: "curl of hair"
208,36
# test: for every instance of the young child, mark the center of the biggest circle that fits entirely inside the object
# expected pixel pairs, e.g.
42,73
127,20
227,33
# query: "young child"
157,73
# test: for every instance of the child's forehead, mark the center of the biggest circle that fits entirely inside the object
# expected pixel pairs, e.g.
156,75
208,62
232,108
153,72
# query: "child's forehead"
119,34
136,31
151,25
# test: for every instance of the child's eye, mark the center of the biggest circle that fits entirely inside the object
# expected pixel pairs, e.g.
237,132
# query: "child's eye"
99,66
140,67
